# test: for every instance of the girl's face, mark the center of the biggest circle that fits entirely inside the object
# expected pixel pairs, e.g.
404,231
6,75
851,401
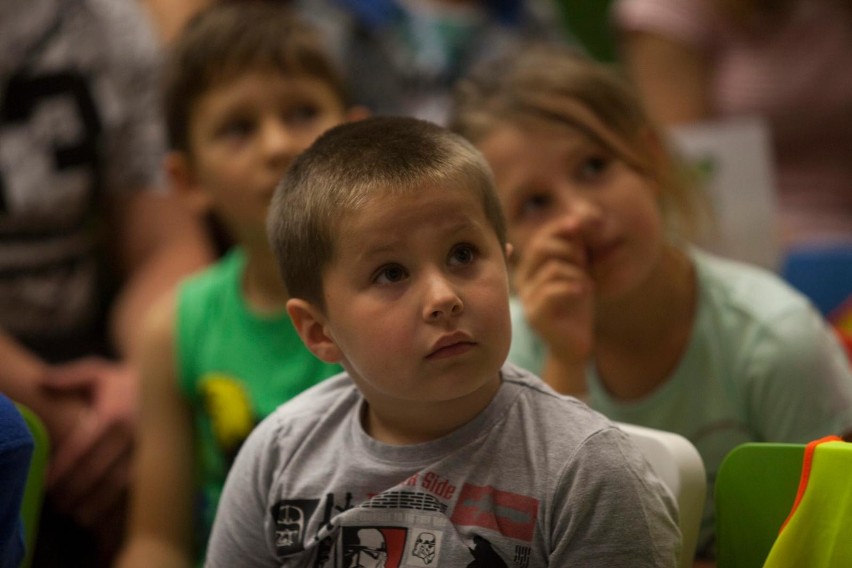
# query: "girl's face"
559,181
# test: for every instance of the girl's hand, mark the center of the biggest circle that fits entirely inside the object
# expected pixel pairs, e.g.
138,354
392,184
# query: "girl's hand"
552,281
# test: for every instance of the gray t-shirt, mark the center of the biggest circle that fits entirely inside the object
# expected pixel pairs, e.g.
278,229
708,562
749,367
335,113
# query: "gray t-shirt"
537,479
79,123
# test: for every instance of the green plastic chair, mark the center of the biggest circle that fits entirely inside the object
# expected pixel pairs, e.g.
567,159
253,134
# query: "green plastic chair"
755,490
34,490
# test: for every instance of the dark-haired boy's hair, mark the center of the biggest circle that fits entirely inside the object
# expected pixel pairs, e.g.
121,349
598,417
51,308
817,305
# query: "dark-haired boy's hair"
354,163
228,40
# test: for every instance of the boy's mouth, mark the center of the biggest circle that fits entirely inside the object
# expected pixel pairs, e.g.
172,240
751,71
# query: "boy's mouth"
450,345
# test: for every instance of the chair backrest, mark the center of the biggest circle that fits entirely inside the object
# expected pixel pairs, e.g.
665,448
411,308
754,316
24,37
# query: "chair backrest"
754,492
34,490
679,465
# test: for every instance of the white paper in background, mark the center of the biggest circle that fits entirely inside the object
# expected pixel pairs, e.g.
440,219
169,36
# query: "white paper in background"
733,160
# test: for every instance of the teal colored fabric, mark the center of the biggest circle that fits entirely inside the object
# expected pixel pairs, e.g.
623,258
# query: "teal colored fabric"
761,366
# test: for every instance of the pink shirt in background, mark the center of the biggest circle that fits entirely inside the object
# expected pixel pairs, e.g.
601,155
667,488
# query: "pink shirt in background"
799,78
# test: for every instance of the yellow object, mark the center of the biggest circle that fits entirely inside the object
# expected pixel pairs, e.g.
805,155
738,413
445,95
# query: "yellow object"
818,532
229,407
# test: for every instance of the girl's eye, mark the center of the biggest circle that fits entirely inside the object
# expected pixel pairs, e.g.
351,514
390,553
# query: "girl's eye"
533,204
462,255
592,167
390,274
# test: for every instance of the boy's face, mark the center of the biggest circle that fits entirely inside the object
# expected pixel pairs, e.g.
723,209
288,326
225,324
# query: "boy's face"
417,299
245,132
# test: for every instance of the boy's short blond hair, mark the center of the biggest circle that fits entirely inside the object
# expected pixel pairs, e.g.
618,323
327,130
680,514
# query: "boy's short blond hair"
228,40
548,86
352,164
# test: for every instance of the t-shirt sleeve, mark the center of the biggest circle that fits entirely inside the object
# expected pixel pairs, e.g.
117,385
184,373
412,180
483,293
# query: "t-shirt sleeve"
612,510
239,534
800,381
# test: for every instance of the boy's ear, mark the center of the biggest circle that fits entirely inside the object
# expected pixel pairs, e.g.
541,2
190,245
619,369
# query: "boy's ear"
182,180
509,250
310,325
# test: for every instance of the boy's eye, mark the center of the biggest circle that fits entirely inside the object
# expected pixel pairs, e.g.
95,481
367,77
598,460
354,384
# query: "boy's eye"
592,167
237,128
390,274
299,115
462,255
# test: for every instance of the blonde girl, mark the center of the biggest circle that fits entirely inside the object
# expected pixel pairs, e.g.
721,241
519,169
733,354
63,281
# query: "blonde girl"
611,302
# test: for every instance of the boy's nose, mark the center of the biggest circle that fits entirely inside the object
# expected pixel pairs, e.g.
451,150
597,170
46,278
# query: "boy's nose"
442,300
279,143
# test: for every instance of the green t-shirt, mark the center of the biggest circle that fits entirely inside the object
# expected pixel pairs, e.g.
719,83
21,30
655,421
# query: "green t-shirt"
235,368
761,366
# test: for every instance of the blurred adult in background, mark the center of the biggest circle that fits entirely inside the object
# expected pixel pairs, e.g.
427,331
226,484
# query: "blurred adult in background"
787,61
89,238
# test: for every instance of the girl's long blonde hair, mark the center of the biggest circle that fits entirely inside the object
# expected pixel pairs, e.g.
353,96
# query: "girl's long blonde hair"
545,86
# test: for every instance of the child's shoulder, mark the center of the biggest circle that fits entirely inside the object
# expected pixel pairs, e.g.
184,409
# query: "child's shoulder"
743,287
563,419
327,402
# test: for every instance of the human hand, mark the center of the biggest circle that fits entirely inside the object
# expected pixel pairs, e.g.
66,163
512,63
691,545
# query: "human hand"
553,284
90,465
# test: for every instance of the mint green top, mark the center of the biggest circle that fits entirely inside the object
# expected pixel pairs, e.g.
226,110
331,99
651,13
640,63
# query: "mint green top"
761,366
235,369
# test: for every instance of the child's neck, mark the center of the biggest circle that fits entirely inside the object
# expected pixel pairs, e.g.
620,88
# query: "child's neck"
640,342
263,290
393,423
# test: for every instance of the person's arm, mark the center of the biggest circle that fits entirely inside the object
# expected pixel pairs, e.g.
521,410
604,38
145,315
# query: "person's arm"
86,477
673,78
161,519
240,536
20,376
553,286
158,242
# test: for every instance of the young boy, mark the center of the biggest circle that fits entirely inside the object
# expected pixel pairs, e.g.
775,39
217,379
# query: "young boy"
427,451
247,88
